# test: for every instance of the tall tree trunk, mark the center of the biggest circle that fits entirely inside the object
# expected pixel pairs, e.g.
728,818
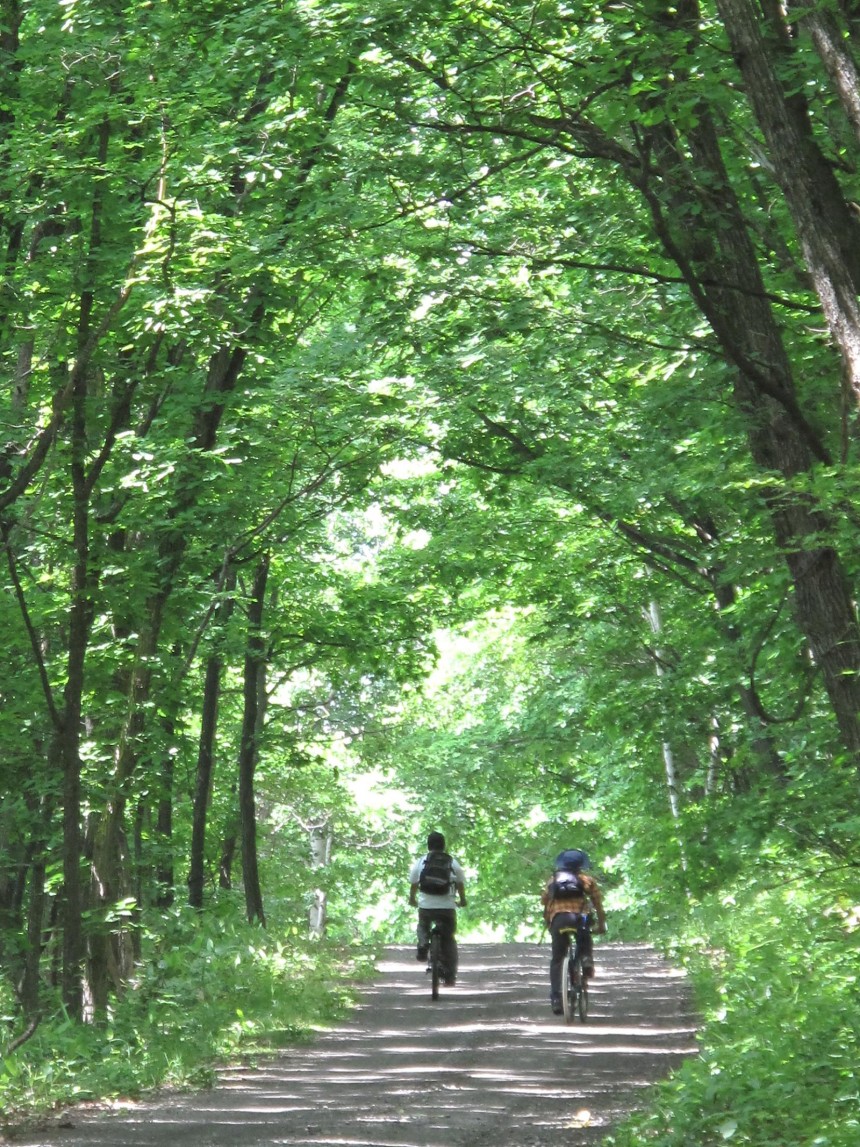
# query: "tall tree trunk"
720,265
836,55
206,747
826,223
252,718
69,738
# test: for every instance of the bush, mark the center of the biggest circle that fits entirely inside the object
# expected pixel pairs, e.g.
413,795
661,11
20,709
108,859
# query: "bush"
778,984
209,988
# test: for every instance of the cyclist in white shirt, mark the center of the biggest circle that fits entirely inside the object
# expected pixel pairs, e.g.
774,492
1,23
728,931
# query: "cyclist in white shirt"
437,888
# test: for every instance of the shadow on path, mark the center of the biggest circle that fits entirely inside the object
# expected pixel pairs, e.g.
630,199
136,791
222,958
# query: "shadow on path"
487,1063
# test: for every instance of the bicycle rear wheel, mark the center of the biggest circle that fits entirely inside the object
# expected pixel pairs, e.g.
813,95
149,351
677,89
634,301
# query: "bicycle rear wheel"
568,990
582,999
435,963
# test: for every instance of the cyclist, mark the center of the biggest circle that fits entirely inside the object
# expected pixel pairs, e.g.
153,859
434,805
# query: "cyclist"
567,899
437,887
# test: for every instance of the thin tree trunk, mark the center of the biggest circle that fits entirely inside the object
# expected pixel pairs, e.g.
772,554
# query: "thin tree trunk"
203,781
228,854
206,751
320,844
29,990
713,758
164,874
655,620
69,739
254,694
13,878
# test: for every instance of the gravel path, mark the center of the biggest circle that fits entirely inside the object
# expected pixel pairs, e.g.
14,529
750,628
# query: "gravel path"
487,1063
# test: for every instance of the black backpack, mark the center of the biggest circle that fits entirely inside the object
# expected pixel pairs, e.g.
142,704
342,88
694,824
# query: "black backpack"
566,886
437,874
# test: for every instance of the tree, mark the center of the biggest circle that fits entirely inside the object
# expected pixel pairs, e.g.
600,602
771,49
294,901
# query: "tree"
662,117
157,260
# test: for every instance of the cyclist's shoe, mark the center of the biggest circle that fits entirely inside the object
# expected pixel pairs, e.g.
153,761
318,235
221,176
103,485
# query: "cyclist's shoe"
449,983
422,954
556,1005
587,967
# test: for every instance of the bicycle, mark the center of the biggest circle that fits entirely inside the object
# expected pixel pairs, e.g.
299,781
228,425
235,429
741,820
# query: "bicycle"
435,964
574,990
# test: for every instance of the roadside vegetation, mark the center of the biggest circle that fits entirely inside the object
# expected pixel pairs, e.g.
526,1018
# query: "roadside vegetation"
780,1036
206,993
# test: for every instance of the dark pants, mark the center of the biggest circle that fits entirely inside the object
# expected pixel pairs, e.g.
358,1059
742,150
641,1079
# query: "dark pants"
579,921
447,921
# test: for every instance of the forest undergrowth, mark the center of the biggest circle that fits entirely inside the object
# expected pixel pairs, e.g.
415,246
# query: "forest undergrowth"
210,989
775,971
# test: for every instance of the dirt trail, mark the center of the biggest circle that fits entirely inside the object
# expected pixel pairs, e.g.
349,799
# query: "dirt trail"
485,1064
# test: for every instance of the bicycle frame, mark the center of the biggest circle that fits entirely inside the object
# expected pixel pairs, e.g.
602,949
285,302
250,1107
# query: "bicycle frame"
574,988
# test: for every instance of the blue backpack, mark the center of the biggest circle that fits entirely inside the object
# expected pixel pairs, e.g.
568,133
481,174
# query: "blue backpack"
566,883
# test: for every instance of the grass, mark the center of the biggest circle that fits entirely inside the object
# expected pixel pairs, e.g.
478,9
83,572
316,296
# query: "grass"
776,973
210,989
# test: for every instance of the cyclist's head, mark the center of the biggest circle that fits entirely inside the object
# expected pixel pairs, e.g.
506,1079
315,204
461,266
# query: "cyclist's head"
572,860
436,842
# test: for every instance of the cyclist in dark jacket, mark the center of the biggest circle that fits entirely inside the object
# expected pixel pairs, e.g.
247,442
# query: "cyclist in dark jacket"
565,912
